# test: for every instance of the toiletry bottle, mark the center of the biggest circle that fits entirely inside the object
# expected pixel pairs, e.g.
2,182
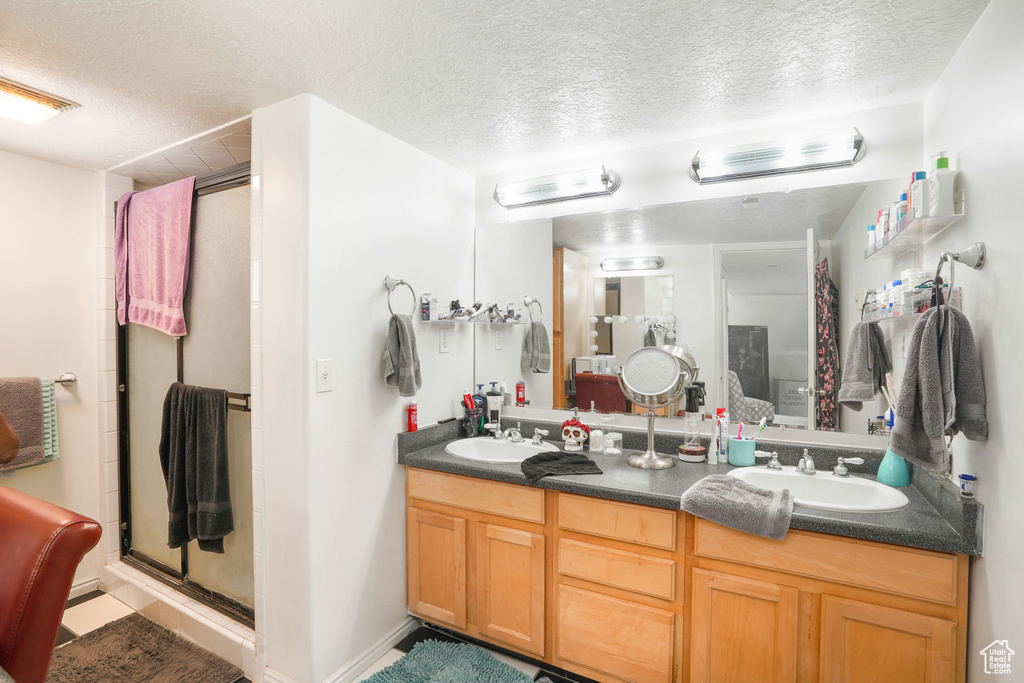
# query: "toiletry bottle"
494,404
506,397
940,188
871,236
412,421
918,207
480,403
713,446
723,438
901,209
520,393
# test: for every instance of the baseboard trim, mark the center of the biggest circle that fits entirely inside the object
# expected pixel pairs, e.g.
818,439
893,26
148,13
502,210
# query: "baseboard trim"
271,676
83,587
351,671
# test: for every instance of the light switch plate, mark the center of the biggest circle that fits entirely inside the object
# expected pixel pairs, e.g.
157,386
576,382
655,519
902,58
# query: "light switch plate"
324,375
444,348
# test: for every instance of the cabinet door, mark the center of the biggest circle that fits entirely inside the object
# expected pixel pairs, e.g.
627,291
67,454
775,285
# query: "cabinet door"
864,642
742,630
437,566
510,586
629,641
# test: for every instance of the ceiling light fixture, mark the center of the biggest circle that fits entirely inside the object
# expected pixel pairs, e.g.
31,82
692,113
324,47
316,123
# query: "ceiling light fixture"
615,265
22,103
812,153
591,182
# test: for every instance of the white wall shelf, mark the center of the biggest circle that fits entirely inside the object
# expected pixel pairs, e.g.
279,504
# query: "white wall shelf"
911,233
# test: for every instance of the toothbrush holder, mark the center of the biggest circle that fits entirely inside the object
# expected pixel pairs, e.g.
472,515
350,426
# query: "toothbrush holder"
741,452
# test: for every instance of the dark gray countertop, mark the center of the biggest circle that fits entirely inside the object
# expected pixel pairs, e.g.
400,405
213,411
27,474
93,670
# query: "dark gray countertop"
956,529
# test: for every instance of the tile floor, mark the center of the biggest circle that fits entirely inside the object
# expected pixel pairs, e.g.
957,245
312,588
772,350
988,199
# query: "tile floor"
88,612
428,631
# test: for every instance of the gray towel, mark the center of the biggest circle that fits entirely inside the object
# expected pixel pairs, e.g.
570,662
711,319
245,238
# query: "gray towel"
536,349
650,337
401,362
21,402
734,503
865,367
943,391
194,457
557,462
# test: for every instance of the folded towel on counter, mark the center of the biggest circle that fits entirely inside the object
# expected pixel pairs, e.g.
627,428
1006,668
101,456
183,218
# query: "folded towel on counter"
736,504
51,448
401,361
943,391
866,366
557,462
194,457
8,441
536,349
21,402
152,241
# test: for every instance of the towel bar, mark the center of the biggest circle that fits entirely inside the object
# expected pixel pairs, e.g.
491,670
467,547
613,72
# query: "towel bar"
245,406
66,378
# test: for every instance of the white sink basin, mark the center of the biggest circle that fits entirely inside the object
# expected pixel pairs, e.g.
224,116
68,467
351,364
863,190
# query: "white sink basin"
824,491
484,449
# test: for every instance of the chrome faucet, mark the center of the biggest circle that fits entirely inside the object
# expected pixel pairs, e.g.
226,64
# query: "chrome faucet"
806,464
773,463
494,427
513,434
537,433
840,469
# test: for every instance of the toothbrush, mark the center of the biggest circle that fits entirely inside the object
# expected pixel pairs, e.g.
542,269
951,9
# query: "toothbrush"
739,434
760,426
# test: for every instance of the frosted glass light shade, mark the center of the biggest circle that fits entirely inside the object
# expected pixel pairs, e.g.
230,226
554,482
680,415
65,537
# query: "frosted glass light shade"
24,104
591,182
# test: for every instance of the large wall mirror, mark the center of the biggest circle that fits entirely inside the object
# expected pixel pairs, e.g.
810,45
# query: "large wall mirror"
738,286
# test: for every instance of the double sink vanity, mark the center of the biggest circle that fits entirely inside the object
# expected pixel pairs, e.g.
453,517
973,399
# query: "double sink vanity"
603,575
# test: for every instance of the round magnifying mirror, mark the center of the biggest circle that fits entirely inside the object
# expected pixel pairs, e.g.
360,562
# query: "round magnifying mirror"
652,377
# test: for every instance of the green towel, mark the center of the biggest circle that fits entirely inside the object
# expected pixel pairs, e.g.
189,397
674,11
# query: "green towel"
432,661
51,450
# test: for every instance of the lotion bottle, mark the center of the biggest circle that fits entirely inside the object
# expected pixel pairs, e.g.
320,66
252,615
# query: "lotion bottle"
940,187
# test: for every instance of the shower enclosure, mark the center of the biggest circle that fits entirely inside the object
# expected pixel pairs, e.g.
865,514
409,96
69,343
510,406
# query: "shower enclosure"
215,353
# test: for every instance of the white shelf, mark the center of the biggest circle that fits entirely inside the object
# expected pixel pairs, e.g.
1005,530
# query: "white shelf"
458,321
911,233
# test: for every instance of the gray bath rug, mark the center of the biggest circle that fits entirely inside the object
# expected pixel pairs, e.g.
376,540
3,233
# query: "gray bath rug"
135,650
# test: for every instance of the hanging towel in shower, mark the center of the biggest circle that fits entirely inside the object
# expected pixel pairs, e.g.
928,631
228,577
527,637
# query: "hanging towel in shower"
8,441
651,336
21,402
536,349
401,362
152,240
51,449
867,363
194,457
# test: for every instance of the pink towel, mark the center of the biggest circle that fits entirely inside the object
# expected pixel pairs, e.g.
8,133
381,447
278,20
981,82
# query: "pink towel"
152,238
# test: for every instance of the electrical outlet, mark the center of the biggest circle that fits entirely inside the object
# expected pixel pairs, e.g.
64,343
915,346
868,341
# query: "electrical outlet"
444,341
497,340
324,375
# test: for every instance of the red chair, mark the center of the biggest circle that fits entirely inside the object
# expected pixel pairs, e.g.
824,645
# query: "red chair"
601,390
40,548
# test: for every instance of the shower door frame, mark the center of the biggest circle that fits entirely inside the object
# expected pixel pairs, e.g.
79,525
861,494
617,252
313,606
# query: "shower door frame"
225,179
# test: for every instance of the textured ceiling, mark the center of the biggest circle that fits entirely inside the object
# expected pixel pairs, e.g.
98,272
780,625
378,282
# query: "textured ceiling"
777,217
475,83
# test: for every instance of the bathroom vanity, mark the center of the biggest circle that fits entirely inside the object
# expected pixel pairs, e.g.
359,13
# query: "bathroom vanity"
603,576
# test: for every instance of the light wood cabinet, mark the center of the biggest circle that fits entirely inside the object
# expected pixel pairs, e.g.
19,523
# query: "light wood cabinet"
436,545
865,642
744,631
510,586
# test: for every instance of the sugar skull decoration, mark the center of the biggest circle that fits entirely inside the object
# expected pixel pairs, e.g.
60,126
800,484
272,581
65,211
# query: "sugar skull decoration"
574,433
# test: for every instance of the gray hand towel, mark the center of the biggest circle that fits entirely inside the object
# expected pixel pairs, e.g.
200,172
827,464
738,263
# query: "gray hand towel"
21,402
734,503
401,362
536,349
865,367
943,391
557,462
194,457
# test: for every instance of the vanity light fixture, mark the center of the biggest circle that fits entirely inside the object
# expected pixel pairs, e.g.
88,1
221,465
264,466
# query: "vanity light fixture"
25,104
614,265
812,153
591,182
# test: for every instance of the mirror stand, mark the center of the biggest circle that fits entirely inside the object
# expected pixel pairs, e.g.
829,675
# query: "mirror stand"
651,460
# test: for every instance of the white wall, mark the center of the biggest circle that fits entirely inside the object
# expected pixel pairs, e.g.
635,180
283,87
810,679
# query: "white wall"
343,206
48,274
660,174
513,262
973,112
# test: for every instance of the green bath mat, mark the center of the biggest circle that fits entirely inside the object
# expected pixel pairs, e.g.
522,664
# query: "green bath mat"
431,661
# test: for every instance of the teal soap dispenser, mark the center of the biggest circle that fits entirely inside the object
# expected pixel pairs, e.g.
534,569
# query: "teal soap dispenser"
893,471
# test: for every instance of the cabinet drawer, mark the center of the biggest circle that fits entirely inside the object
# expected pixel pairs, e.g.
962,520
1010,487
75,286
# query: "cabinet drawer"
902,571
632,642
621,521
618,568
506,500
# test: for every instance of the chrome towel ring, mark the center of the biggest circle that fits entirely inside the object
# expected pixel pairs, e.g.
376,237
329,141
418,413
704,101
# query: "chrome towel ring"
391,284
528,301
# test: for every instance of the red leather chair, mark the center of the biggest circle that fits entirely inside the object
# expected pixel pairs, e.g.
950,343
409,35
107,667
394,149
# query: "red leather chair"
40,548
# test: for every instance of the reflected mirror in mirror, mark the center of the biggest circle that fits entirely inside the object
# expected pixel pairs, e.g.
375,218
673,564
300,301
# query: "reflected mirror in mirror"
737,290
